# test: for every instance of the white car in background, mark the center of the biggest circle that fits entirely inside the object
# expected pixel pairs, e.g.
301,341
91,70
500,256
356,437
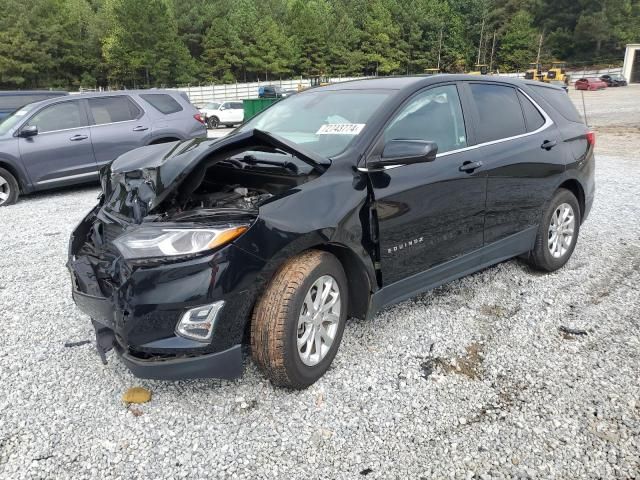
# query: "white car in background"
223,113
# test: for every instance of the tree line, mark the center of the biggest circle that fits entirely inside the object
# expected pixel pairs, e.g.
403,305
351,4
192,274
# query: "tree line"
138,43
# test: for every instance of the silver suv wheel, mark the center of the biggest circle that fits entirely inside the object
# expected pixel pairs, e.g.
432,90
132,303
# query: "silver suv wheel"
5,190
319,319
561,230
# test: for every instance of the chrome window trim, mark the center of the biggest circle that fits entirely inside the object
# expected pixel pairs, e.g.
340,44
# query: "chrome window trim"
547,123
26,123
68,177
113,123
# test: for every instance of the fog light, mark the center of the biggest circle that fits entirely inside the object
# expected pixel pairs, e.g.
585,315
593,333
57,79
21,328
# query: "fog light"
197,323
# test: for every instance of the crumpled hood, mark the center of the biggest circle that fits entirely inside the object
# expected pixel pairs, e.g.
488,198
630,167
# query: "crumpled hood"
143,178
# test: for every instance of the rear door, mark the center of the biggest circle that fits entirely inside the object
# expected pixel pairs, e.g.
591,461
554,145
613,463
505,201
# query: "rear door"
118,125
517,142
428,213
237,112
61,152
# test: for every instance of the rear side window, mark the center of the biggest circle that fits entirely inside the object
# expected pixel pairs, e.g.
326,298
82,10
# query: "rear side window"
112,109
162,102
532,115
499,112
560,101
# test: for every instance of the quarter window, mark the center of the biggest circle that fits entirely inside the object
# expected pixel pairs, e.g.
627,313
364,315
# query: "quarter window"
60,116
532,115
112,109
499,112
434,115
162,102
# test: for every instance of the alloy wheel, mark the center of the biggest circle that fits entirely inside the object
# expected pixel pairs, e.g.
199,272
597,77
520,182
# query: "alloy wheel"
561,228
318,321
5,189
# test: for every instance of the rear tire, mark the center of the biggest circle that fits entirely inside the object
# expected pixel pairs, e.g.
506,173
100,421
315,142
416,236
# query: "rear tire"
213,122
293,338
558,232
9,189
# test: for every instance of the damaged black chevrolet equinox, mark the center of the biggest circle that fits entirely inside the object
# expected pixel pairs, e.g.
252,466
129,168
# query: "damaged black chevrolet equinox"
333,203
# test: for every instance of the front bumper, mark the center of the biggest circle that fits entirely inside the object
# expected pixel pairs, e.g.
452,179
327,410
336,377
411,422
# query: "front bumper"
135,308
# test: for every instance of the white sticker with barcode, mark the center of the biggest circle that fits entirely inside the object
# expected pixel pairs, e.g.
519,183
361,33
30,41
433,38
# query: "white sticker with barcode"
340,129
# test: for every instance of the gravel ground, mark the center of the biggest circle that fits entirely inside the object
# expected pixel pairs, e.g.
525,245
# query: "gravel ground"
472,380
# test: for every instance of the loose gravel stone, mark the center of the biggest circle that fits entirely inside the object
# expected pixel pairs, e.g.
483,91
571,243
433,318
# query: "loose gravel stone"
471,380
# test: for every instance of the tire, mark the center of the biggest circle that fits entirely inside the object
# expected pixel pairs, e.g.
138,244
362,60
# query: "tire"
9,189
275,328
546,254
213,122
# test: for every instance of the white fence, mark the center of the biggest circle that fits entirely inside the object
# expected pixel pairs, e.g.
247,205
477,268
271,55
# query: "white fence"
201,94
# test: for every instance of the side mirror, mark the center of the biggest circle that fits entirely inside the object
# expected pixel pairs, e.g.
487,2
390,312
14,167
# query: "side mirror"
28,131
404,152
222,108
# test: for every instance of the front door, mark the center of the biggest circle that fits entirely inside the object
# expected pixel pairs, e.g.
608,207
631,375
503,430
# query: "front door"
61,152
429,213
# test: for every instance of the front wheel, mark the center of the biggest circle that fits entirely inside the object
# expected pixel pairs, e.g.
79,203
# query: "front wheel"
9,190
213,122
557,233
298,322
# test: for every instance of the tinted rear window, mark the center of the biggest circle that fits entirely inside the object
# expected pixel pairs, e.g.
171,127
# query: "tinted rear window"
162,102
560,101
499,111
532,116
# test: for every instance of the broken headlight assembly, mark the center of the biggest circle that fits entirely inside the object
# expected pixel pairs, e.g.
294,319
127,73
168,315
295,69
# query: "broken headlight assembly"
153,242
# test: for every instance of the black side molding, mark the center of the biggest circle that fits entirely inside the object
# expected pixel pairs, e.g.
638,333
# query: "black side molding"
484,257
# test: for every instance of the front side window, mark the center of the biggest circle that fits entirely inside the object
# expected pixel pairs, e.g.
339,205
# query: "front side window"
236,105
434,115
112,109
499,112
60,116
162,102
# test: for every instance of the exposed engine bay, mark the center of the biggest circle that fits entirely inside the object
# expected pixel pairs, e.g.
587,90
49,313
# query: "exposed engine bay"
245,181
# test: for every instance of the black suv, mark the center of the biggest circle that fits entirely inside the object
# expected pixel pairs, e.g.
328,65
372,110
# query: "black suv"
336,202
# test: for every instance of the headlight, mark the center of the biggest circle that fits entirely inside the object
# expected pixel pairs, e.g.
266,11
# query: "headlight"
149,242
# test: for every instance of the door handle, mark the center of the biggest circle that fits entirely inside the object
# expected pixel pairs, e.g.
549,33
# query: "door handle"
548,144
140,128
469,166
75,138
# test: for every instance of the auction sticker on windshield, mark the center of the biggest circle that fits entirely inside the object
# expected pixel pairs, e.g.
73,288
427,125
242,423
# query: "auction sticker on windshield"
340,129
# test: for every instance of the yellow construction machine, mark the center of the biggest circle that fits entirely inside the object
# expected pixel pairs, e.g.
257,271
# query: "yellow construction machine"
534,72
557,72
481,69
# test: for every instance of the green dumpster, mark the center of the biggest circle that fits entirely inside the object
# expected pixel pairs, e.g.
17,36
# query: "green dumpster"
253,106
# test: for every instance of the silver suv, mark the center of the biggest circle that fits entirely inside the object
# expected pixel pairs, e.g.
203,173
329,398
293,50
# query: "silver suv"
65,141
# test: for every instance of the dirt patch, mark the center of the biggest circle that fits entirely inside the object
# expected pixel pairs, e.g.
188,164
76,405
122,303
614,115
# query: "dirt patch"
469,365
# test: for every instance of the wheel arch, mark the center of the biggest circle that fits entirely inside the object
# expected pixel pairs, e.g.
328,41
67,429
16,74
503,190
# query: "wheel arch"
358,280
21,179
575,187
165,139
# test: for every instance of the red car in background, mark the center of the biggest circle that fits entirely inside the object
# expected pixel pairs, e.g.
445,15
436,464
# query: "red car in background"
590,84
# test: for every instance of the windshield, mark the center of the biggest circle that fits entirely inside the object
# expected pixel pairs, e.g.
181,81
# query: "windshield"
212,106
12,120
324,122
